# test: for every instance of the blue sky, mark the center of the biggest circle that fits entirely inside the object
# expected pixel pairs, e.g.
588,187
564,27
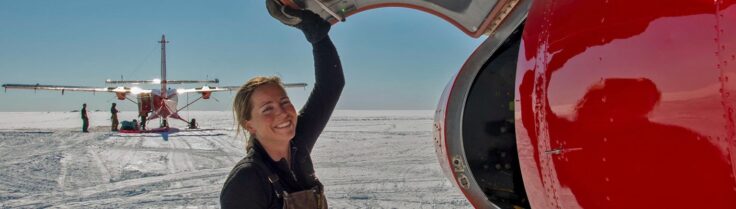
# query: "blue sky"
393,58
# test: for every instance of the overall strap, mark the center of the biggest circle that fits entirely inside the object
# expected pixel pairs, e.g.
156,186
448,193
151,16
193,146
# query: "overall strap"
273,178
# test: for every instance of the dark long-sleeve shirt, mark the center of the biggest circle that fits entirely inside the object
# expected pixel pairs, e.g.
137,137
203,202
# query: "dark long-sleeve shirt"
247,186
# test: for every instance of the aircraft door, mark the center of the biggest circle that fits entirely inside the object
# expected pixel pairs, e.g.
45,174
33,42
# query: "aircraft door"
474,17
145,103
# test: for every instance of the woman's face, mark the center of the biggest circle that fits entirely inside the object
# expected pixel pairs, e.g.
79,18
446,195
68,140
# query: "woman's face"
273,117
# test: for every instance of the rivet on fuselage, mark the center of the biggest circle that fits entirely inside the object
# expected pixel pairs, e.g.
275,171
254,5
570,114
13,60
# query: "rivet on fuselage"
457,163
463,181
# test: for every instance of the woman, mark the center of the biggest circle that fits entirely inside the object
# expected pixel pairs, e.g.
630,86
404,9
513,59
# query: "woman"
277,171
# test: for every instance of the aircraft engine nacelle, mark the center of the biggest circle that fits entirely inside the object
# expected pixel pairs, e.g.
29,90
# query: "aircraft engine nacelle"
120,95
206,94
596,109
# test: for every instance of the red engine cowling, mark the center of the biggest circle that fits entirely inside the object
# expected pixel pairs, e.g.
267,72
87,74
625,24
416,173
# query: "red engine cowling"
120,95
206,94
625,104
628,104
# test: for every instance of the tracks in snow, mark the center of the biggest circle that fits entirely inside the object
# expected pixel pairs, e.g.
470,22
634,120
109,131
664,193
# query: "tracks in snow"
98,169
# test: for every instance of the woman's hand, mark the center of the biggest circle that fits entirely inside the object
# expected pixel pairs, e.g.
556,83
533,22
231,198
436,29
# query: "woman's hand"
312,25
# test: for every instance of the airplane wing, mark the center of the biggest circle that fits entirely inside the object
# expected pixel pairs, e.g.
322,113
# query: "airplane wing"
203,89
230,88
286,85
158,81
55,87
134,90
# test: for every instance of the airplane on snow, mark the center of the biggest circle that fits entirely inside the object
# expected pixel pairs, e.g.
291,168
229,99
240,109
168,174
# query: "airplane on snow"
161,102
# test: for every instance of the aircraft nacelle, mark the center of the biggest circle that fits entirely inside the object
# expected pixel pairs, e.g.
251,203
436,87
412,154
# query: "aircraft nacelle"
120,95
595,110
206,95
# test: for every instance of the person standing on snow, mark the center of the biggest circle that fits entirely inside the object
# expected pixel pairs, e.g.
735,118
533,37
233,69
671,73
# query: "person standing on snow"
114,111
144,116
85,120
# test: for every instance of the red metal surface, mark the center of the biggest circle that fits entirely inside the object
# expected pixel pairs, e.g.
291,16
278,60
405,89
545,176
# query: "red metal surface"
628,104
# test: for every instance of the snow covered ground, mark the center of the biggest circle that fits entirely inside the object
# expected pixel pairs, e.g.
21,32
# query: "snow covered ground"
366,159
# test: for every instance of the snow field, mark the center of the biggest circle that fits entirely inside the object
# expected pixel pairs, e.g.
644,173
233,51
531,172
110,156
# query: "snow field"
365,159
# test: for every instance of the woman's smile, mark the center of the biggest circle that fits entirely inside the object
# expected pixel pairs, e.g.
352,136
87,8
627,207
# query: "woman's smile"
283,125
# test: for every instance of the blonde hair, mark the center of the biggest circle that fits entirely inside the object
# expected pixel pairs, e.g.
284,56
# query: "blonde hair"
243,106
